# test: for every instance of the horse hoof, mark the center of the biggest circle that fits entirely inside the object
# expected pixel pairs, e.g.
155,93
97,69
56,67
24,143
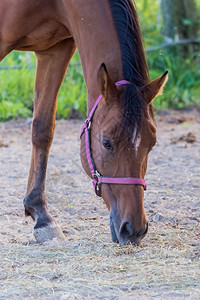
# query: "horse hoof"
49,232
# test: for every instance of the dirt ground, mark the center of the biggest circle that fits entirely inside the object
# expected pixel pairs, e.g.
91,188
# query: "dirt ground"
88,265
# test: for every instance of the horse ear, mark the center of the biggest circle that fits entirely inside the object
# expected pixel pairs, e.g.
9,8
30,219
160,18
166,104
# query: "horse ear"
155,87
106,85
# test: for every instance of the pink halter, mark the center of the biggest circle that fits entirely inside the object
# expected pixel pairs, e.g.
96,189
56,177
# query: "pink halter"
98,179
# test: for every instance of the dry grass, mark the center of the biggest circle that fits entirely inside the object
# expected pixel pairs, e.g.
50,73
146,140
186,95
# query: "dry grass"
166,265
88,265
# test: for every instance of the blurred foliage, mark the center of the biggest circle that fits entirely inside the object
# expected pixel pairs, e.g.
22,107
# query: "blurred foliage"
72,94
182,89
17,85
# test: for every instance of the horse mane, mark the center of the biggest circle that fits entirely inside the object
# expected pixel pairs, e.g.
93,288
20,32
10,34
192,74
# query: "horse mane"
134,63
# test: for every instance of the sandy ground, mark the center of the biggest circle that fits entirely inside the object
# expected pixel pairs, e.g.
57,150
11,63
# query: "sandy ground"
88,265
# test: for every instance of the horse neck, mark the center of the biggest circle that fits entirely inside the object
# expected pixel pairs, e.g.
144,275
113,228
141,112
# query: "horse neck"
95,35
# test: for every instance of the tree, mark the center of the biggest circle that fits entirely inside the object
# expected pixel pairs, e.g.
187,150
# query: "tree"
180,23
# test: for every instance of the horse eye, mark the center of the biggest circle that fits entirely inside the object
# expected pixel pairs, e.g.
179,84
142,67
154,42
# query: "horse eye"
107,144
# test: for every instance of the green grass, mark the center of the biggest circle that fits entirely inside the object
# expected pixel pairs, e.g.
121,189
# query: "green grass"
183,87
72,94
17,86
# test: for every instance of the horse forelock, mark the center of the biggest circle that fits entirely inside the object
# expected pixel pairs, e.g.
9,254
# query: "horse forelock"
133,107
134,63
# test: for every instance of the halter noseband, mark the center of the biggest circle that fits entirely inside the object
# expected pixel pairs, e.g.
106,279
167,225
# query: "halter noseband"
98,179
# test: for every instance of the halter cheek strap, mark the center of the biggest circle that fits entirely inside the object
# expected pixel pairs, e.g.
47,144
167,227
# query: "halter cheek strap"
98,179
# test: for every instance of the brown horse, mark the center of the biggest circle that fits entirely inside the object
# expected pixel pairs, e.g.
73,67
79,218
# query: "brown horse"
122,132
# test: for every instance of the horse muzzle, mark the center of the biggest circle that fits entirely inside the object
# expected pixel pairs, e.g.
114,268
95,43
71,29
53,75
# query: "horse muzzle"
125,233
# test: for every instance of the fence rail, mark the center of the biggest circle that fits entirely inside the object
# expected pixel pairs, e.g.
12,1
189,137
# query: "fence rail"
151,49
173,43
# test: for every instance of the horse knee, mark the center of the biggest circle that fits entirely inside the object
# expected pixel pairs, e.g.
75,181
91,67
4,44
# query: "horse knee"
42,134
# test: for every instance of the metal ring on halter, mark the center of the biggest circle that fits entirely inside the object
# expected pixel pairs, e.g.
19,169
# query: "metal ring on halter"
96,177
97,189
88,123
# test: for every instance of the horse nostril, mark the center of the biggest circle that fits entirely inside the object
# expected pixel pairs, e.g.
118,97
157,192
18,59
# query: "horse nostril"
147,227
126,230
143,231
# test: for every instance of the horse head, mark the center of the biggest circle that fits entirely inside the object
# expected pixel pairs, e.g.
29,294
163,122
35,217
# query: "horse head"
122,133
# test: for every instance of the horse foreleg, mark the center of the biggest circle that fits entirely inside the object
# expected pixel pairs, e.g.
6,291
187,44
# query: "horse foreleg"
51,66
